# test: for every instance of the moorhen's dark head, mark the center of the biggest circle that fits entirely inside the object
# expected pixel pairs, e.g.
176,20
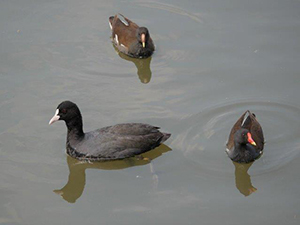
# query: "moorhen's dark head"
243,136
66,111
142,35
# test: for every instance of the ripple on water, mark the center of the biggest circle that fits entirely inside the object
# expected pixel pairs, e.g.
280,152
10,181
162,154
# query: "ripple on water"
205,134
170,8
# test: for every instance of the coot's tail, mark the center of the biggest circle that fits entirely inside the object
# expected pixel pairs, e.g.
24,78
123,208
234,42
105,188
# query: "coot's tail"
165,137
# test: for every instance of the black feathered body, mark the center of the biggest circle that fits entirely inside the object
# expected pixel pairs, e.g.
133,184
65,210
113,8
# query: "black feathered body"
115,142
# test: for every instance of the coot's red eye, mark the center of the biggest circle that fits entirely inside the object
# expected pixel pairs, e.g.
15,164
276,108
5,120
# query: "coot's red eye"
64,111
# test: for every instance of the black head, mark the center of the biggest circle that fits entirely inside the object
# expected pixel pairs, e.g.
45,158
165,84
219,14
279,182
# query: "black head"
143,35
66,111
243,136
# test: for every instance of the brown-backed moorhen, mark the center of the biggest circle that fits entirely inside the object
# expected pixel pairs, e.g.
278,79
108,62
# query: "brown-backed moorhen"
246,139
129,38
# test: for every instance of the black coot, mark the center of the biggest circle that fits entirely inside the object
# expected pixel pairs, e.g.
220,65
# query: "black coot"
109,143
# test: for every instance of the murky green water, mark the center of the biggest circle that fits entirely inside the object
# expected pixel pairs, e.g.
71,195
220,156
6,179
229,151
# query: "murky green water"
214,60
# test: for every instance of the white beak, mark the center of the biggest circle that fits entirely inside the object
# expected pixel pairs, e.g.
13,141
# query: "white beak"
55,117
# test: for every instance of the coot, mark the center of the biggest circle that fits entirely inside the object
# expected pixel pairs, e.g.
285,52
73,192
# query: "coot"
109,143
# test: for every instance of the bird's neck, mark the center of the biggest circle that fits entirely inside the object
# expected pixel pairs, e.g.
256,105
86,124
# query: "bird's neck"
240,146
75,128
239,149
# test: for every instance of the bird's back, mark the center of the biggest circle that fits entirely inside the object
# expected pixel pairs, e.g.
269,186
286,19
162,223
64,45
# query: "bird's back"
119,141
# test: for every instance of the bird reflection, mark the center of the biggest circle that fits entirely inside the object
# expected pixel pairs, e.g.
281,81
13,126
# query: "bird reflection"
142,65
76,182
243,179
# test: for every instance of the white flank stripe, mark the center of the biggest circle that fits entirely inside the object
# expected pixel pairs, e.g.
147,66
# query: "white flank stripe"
122,19
245,117
116,38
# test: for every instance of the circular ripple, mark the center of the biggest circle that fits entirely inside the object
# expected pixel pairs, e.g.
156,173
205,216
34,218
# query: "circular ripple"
205,134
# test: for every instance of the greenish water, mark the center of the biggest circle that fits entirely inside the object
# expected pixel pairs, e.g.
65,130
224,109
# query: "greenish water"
213,60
